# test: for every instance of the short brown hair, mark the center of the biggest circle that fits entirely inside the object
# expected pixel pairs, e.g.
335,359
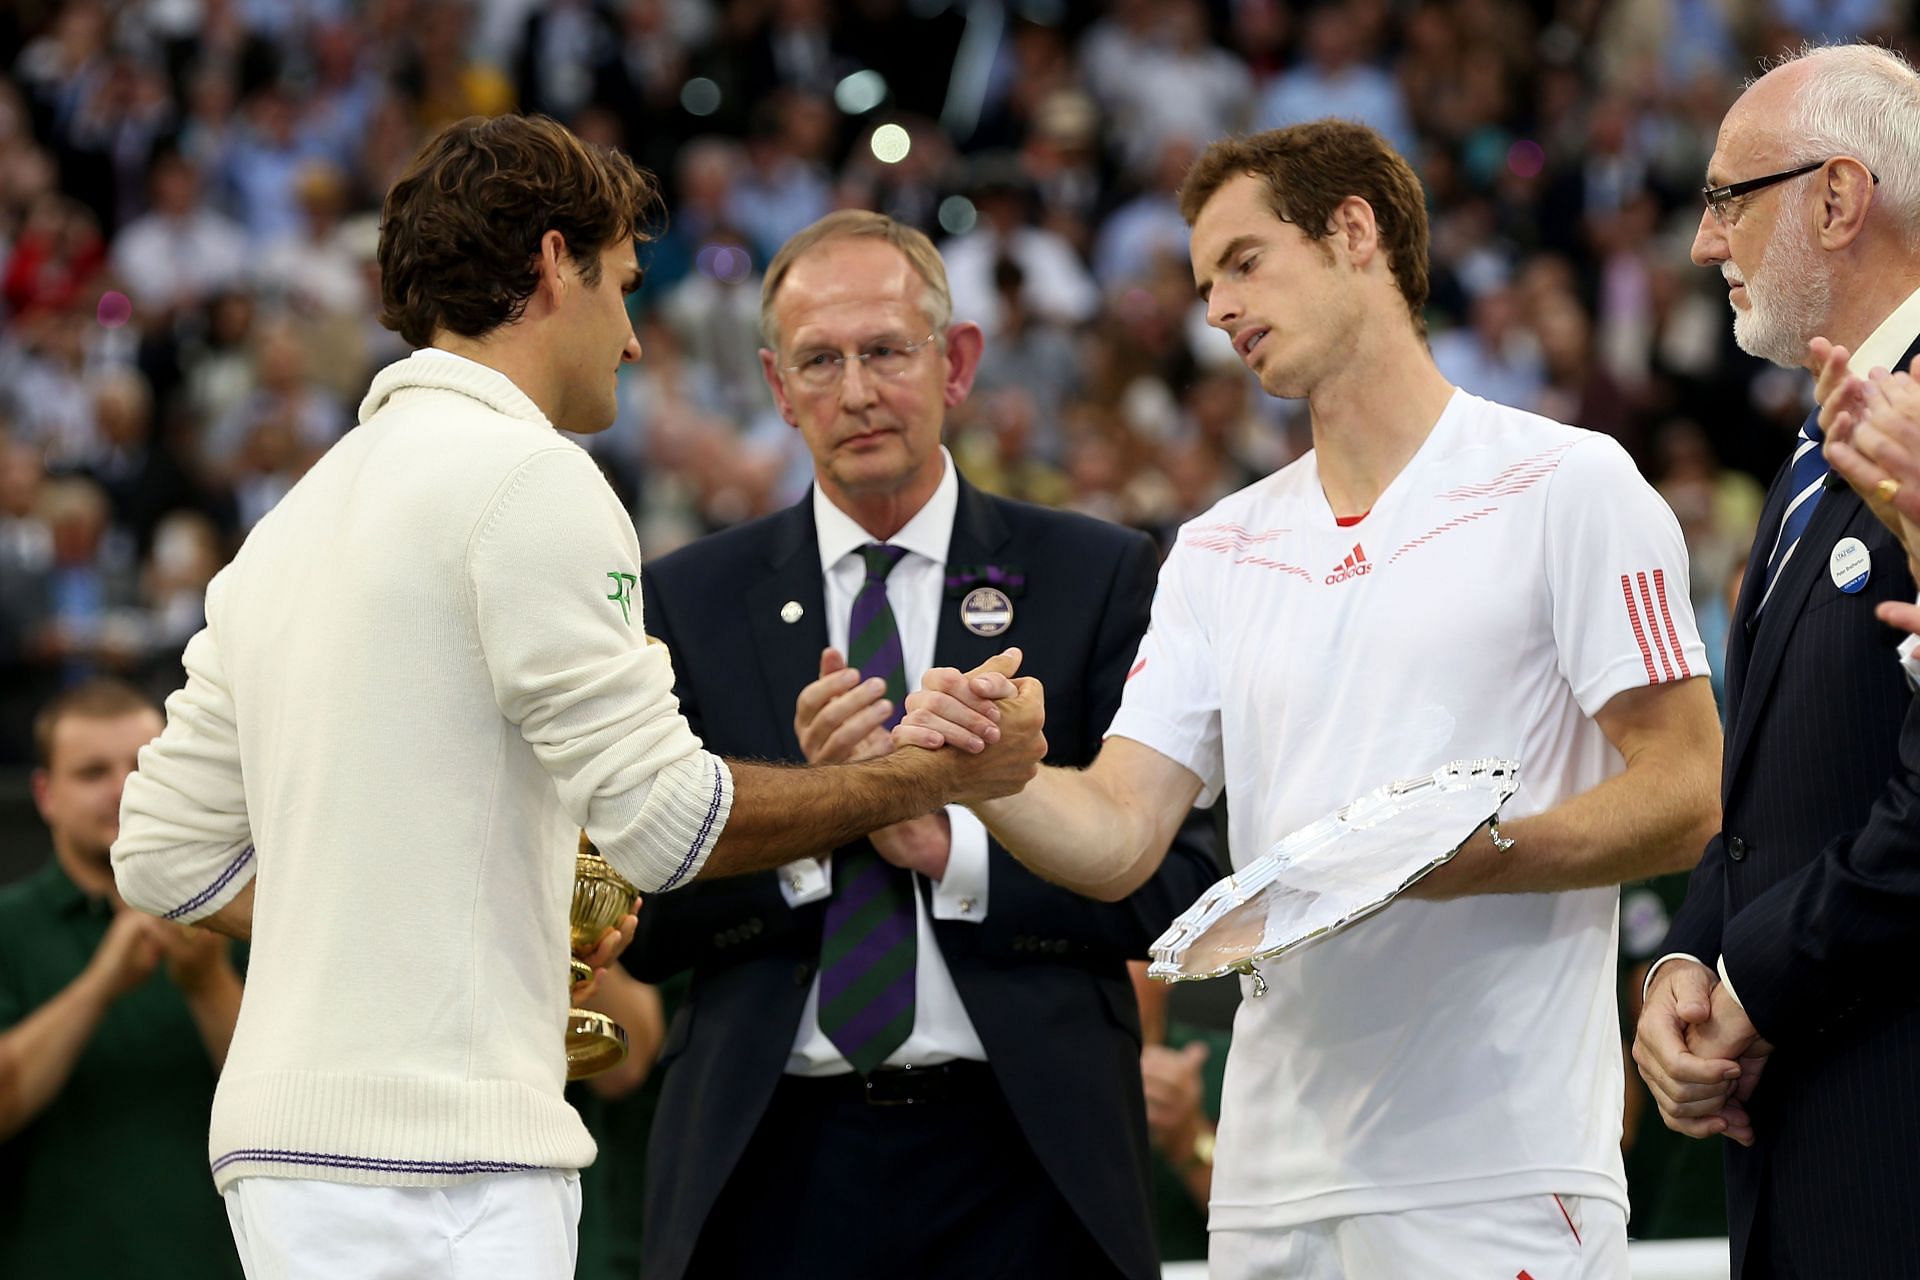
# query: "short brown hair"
847,224
1309,169
103,698
462,226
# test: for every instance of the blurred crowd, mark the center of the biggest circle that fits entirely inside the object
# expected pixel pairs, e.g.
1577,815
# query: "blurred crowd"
189,196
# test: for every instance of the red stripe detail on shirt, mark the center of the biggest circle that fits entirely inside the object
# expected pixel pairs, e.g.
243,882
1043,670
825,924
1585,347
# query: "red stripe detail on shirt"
1347,522
1569,1218
1136,668
1673,637
1659,644
1633,616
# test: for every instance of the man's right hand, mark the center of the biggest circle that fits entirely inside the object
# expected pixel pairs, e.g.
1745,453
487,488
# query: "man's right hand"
994,769
129,953
959,708
1691,1091
840,717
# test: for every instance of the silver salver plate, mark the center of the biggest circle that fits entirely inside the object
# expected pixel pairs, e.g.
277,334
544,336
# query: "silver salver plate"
1333,872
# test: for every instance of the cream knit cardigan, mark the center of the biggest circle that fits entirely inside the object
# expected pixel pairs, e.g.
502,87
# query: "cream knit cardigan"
424,670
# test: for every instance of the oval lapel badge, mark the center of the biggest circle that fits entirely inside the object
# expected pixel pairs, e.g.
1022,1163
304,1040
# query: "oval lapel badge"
986,611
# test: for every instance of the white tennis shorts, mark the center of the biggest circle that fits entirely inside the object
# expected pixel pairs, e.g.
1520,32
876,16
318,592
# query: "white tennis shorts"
512,1224
1529,1238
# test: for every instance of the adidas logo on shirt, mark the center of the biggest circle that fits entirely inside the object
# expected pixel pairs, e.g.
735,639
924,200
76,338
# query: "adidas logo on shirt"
1355,565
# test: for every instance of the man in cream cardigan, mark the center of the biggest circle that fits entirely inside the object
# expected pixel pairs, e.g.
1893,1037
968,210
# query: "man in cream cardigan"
424,670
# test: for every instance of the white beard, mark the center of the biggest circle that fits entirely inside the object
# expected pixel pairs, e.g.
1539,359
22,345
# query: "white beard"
1788,297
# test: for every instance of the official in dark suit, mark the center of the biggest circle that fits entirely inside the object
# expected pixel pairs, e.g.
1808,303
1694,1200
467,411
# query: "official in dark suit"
918,1059
1783,1014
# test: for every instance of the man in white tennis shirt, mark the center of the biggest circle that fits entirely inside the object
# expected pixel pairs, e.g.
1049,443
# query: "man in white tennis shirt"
1437,1092
423,672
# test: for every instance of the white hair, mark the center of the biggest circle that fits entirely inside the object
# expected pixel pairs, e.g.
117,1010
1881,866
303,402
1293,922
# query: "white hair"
1863,101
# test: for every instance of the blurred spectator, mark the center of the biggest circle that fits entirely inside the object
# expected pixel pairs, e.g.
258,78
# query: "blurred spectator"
999,455
113,1026
53,407
187,552
1040,359
172,257
564,47
438,74
1337,78
88,619
264,163
143,477
316,268
1148,229
1496,356
1171,82
1057,286
55,257
785,186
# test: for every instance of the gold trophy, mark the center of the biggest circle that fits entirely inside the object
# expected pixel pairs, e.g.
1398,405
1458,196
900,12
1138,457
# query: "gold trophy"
595,1042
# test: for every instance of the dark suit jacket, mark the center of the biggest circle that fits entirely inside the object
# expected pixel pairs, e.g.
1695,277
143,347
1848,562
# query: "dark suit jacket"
1811,892
1043,977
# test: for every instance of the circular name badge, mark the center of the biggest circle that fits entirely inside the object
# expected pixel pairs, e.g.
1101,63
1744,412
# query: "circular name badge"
1850,565
986,611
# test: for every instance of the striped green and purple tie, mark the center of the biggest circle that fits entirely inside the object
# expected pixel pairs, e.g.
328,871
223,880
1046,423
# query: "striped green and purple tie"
867,940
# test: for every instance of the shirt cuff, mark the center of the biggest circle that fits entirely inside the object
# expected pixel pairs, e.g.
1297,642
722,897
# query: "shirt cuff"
961,894
1727,982
808,880
1671,955
1909,652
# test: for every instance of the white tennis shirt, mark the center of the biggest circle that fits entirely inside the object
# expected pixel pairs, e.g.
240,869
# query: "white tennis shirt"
1515,576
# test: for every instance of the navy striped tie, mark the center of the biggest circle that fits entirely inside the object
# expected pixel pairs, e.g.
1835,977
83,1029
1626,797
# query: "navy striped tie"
1805,479
867,942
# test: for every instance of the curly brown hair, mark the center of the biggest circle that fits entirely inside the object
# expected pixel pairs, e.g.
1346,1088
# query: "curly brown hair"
461,228
1308,170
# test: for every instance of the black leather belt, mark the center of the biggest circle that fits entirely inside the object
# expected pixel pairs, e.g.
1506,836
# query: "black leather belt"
954,1081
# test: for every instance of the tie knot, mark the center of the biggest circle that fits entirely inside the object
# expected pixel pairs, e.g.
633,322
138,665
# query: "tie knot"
880,558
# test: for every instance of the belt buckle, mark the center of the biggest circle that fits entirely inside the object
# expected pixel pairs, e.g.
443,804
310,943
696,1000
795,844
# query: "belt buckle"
899,1087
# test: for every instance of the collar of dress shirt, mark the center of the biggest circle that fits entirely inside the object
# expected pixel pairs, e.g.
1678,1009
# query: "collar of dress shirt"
926,534
1890,340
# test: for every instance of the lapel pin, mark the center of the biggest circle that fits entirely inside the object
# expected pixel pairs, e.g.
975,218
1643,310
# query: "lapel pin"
791,611
1849,565
986,611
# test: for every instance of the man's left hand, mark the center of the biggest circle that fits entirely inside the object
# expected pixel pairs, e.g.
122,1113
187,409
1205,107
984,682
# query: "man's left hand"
605,951
918,844
1729,1033
194,957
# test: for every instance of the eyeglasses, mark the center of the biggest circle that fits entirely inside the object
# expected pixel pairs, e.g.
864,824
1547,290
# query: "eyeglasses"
823,367
1720,198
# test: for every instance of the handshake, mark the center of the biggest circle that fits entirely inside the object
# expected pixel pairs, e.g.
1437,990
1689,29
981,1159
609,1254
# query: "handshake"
995,717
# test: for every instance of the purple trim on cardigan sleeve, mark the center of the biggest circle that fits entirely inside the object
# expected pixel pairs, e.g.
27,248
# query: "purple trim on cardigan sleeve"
713,811
200,899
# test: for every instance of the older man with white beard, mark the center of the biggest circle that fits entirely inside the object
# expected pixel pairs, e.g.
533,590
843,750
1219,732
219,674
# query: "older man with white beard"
1779,1015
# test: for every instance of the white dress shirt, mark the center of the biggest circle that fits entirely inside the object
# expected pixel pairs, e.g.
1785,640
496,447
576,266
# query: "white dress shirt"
942,1031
